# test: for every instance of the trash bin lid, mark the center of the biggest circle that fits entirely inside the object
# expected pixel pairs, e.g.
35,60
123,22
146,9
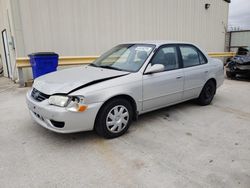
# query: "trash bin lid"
43,54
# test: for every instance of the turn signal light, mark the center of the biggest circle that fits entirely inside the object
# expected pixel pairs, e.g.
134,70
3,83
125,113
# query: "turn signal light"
82,108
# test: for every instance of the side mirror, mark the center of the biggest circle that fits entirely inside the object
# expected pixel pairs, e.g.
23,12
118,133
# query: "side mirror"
155,68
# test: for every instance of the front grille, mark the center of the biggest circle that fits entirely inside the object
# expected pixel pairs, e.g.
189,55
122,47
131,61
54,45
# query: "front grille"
38,96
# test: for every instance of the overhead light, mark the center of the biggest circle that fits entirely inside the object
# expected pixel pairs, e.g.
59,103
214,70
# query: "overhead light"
207,5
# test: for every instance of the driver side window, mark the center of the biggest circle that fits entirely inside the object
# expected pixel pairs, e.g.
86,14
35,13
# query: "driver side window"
166,56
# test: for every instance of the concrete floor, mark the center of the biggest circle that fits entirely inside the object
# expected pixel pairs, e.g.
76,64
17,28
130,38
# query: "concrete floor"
181,146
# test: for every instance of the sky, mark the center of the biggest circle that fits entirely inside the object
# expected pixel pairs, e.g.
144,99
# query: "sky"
239,14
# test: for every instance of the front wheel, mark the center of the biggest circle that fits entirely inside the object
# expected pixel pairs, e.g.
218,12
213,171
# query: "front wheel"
207,93
114,118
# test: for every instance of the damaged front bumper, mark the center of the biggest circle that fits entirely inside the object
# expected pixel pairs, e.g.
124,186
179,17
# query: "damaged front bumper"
60,120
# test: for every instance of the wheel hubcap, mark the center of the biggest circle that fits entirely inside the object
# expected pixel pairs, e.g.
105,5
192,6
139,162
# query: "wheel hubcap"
117,119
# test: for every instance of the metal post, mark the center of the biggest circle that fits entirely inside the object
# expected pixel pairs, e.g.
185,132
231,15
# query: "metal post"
21,77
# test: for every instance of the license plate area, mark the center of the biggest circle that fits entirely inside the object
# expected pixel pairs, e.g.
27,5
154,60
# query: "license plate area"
38,115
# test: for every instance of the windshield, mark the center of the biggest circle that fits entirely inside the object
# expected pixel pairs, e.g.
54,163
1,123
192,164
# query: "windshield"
125,57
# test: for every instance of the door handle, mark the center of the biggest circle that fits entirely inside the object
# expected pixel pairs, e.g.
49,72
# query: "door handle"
179,77
206,72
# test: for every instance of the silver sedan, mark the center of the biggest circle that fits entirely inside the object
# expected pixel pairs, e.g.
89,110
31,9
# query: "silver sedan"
129,80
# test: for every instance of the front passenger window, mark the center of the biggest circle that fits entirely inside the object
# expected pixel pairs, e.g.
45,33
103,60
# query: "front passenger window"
167,56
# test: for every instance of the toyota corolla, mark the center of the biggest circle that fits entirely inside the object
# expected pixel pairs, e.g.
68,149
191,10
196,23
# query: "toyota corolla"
129,80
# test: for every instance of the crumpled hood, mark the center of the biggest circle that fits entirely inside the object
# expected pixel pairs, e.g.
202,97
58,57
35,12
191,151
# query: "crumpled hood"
66,80
242,59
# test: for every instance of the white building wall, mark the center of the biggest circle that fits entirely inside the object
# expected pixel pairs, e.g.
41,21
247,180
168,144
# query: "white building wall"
6,23
89,27
239,38
2,27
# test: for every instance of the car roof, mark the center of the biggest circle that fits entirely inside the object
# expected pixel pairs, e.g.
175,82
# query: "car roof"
159,42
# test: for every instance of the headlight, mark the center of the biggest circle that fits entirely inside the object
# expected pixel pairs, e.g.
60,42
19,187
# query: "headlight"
76,104
58,100
71,103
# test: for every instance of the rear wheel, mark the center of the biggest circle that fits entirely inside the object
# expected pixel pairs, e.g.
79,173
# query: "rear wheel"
114,118
230,74
207,93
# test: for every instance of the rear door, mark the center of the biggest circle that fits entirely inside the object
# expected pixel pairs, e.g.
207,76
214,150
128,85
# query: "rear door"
195,69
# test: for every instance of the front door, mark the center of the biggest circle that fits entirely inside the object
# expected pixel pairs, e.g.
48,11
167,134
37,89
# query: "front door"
163,88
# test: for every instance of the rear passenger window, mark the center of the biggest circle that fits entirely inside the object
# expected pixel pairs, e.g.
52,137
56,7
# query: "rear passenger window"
190,56
202,58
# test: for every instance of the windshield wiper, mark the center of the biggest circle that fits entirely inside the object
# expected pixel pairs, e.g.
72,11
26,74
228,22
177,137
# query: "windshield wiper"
105,67
109,67
93,65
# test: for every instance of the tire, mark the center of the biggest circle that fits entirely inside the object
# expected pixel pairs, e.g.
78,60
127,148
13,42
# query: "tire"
207,93
230,74
110,123
1,70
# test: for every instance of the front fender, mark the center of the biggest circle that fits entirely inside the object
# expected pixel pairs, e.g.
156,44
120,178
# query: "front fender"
129,85
133,90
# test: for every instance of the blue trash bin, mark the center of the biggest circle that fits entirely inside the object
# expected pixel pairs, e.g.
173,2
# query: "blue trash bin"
43,63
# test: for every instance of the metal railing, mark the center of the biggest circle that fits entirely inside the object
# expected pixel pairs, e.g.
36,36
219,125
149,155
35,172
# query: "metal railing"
222,54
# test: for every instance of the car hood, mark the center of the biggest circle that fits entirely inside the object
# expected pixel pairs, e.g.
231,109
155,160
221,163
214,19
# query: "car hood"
68,80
